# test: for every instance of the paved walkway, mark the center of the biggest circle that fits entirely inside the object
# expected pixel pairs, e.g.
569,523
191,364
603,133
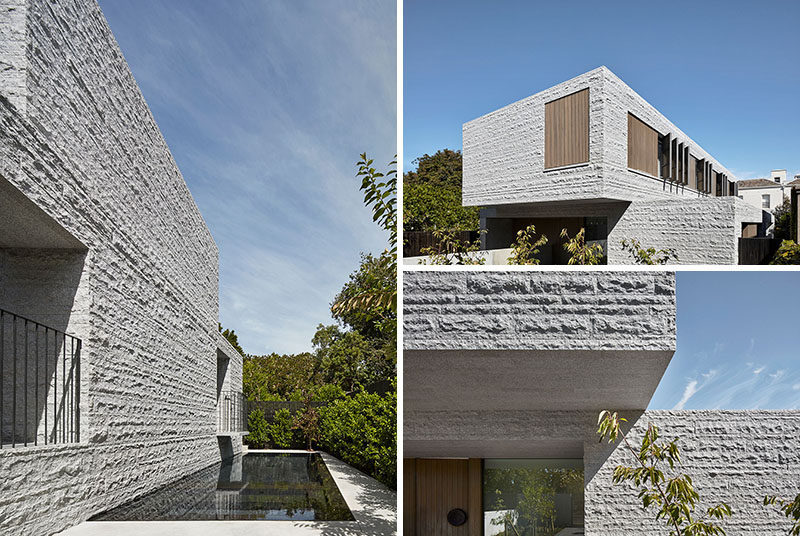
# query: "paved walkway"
373,505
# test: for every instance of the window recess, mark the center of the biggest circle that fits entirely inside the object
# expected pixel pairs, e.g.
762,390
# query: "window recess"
566,130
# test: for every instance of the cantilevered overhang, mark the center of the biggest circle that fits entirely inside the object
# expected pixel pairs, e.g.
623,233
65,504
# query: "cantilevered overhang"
528,348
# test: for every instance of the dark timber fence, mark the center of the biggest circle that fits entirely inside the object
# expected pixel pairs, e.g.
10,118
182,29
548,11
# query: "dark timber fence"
40,383
270,408
757,250
415,241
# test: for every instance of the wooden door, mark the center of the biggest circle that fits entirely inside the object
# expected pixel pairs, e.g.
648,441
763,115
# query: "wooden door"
434,487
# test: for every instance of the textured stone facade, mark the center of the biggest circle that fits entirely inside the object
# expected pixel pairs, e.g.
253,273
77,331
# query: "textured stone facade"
539,311
735,457
504,173
79,142
517,364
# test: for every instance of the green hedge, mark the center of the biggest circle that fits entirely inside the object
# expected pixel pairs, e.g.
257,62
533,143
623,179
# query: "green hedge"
278,434
362,431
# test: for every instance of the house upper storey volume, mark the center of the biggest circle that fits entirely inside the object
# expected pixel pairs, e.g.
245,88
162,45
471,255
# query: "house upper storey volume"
591,153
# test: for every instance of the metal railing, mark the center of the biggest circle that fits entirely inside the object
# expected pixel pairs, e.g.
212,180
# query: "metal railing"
40,383
231,412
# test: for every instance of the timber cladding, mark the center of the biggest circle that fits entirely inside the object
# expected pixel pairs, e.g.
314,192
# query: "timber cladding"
566,130
433,487
642,147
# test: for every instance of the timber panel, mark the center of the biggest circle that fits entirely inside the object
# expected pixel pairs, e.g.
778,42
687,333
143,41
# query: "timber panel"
642,147
566,130
409,496
441,485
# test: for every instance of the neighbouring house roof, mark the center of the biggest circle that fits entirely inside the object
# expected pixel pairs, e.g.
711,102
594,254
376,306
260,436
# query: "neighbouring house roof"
795,182
758,183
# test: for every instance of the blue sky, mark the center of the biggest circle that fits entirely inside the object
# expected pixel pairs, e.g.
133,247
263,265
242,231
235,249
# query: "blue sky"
726,72
266,107
738,342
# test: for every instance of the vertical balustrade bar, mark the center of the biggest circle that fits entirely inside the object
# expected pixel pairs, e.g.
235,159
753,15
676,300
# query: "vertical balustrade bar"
14,389
36,389
46,361
71,389
25,391
2,372
63,387
78,393
55,386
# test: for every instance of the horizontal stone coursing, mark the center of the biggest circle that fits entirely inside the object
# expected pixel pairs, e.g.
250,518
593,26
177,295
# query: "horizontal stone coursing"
539,310
735,457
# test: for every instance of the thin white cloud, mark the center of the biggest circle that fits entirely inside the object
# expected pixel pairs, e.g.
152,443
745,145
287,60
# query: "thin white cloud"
759,370
688,392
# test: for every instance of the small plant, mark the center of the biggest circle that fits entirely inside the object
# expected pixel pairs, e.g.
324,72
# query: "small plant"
649,255
526,247
451,250
307,421
582,253
790,509
674,498
788,253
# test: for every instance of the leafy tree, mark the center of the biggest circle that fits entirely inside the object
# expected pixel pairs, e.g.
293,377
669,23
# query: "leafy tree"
232,338
650,255
790,509
581,252
350,360
788,253
674,498
380,194
280,430
375,275
442,169
277,377
432,195
525,248
307,420
783,219
258,429
452,250
361,430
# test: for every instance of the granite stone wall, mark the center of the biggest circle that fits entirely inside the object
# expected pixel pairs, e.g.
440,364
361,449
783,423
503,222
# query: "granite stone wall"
735,457
701,231
539,310
504,150
78,140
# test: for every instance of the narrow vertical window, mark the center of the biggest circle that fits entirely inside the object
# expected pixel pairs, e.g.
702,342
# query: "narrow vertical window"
566,130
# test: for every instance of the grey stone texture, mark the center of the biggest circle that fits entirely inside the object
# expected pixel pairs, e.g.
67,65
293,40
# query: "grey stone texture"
118,255
477,385
735,457
553,310
504,172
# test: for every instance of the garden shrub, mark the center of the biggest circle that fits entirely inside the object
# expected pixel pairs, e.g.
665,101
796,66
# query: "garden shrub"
361,430
280,430
259,430
788,253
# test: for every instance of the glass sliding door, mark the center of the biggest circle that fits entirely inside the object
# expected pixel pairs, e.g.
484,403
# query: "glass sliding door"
533,497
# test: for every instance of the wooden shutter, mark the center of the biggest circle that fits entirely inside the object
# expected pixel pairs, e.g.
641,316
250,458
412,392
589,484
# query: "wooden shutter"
642,146
693,176
566,130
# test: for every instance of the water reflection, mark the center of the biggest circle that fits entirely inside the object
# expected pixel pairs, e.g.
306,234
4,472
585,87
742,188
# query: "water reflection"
294,487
